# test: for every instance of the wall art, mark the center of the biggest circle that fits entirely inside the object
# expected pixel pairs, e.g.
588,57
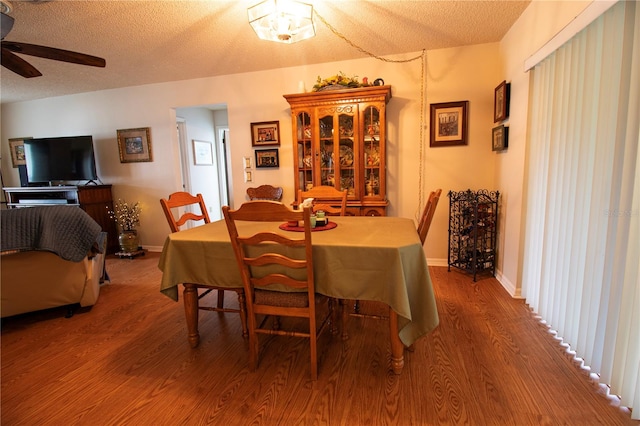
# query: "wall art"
449,123
18,157
134,145
265,133
501,102
267,158
202,153
499,138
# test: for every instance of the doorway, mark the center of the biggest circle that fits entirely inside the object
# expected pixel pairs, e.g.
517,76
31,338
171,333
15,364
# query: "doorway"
205,125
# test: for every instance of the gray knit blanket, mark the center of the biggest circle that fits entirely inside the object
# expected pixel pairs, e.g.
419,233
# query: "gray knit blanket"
67,231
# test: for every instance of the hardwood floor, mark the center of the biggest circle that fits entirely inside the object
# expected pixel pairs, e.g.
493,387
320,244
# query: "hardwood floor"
126,361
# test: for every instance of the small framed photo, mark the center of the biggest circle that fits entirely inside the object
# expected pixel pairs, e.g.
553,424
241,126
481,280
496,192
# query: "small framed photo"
134,145
449,124
500,138
265,133
501,102
267,158
202,153
18,157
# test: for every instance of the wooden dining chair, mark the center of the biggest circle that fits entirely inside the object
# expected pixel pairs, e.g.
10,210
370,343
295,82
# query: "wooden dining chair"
427,214
265,192
326,198
286,259
173,208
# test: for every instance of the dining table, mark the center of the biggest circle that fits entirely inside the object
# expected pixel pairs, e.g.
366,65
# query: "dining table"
366,258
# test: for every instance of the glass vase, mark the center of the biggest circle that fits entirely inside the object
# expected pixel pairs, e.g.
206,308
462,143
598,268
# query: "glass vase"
128,241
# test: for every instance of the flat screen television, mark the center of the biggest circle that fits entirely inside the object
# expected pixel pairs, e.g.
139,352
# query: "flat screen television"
60,159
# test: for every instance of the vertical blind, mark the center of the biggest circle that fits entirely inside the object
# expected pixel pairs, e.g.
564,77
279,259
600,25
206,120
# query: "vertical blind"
582,236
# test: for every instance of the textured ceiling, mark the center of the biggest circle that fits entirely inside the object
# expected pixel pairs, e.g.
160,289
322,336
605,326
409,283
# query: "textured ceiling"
157,41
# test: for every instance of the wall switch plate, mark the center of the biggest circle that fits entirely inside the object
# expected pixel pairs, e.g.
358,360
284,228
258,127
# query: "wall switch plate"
246,162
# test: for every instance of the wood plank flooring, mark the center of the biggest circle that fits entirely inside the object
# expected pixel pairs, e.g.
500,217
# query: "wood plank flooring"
126,361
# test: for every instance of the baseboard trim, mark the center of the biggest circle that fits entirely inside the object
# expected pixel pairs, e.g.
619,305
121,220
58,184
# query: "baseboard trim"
508,285
438,262
153,249
504,282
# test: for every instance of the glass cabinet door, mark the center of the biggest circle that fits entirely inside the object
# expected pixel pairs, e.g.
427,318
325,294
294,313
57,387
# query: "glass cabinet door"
304,150
327,155
372,152
346,154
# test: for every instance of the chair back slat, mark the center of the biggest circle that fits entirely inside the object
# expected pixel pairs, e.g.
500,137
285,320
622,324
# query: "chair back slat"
278,279
271,259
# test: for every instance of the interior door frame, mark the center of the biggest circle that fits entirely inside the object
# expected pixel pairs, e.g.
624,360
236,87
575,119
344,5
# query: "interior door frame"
224,168
181,127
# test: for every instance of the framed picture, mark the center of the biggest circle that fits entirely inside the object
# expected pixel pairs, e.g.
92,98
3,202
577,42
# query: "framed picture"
500,138
449,124
501,102
16,146
134,145
267,158
265,133
202,153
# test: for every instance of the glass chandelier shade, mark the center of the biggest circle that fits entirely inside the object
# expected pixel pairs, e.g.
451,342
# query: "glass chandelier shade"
282,21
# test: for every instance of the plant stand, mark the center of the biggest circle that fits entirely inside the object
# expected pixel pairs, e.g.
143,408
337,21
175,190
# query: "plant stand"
130,255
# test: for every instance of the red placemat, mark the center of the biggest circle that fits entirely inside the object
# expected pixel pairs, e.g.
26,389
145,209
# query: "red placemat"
287,227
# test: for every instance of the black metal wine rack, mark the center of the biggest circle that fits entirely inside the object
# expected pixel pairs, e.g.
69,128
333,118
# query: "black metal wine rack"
473,220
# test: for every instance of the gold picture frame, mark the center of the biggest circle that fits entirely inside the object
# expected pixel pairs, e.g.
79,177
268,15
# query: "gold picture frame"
18,156
449,124
265,133
134,145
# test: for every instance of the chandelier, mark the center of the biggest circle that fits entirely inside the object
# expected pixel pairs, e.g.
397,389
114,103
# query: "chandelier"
283,21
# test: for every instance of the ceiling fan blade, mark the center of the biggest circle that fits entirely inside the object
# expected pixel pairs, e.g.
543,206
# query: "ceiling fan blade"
18,65
53,53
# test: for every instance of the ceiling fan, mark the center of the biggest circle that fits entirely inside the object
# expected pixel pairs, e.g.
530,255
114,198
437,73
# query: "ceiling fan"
14,63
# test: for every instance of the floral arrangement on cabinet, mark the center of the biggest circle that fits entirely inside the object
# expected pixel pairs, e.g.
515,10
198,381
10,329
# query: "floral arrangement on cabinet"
341,81
338,81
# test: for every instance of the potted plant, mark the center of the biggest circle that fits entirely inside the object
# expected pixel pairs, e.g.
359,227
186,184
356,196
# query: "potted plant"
127,217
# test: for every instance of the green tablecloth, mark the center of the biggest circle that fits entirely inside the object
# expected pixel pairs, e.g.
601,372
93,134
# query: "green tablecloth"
365,258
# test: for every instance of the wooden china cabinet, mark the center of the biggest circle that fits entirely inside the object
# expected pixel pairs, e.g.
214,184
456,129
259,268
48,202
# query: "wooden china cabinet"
340,140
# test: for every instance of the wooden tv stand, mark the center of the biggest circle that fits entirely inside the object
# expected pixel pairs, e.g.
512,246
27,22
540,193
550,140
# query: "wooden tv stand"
96,200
